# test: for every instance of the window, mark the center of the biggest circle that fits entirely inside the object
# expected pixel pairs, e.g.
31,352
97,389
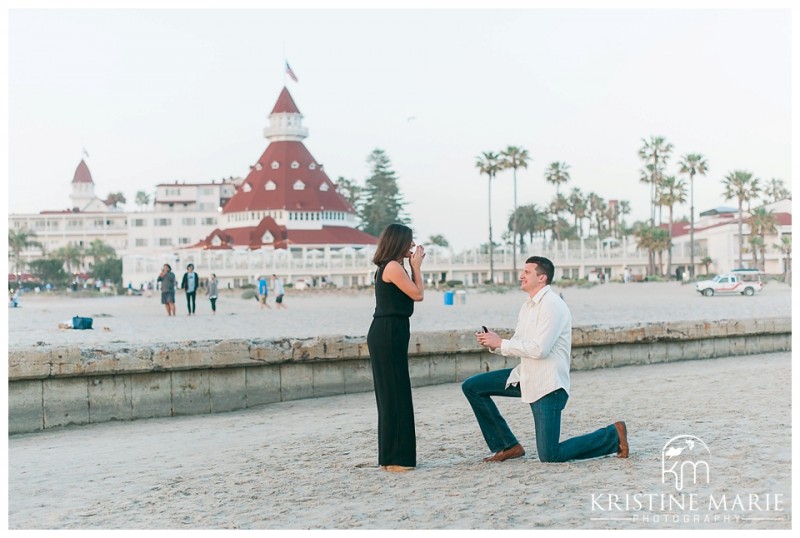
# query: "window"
246,187
208,221
275,165
324,187
141,242
312,166
299,185
138,223
207,191
183,240
295,165
270,185
188,221
163,222
164,242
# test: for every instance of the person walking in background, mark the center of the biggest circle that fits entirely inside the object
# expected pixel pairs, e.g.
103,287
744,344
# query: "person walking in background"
211,292
189,283
168,280
387,341
543,342
263,291
277,286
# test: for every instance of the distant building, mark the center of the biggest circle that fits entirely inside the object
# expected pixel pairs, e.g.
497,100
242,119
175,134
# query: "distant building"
287,198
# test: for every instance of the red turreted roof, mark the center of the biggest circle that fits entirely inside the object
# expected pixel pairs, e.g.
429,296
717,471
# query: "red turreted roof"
285,104
310,198
250,236
82,174
331,235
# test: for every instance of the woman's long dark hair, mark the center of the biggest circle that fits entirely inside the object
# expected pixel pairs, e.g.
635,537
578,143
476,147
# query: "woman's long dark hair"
393,244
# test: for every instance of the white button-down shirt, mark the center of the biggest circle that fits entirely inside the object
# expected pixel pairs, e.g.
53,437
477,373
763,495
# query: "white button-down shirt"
543,341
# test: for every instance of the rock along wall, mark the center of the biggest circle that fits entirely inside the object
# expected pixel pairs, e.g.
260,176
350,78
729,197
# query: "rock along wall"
58,386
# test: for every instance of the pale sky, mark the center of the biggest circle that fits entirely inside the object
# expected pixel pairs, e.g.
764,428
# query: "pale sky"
161,95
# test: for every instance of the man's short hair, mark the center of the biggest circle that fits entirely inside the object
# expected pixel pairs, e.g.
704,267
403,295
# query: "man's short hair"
543,267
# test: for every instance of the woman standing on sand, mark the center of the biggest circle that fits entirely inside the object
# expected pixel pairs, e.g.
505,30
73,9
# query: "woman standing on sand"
387,340
211,292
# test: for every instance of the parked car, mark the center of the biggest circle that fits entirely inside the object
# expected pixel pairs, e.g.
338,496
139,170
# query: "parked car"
730,283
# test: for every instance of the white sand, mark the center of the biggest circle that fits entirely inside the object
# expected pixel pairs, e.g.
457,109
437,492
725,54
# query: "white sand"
144,319
310,464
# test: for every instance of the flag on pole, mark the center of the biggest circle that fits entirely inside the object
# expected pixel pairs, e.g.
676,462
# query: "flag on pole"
290,72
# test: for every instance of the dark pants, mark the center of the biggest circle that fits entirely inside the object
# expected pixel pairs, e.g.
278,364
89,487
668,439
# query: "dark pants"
190,300
546,418
387,341
213,304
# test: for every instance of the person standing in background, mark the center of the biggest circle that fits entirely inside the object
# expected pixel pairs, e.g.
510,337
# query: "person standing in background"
168,280
277,286
190,283
263,291
211,292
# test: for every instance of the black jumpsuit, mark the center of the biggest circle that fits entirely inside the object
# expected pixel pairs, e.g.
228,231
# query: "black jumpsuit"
387,341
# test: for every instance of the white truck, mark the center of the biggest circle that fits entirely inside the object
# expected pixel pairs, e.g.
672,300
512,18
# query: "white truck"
744,284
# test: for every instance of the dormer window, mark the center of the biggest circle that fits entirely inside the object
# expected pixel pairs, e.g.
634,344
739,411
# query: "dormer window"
275,165
267,238
324,187
246,187
258,166
312,166
295,165
216,241
299,185
270,185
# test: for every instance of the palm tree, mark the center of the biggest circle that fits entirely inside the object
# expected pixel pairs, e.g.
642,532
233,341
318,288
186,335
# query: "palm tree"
776,191
672,192
706,260
439,241
692,164
624,209
597,209
514,157
785,247
489,163
72,256
655,153
142,199
99,251
557,173
558,205
762,222
19,241
645,240
661,242
578,208
739,184
115,198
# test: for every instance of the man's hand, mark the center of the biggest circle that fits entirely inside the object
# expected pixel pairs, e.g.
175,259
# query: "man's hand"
489,339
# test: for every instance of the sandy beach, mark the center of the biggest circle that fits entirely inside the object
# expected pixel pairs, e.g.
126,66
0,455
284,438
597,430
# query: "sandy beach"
311,464
344,312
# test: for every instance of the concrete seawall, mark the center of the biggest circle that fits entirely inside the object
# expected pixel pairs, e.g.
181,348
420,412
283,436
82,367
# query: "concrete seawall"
57,386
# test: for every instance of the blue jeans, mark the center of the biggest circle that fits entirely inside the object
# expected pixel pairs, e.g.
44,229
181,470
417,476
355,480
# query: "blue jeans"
546,418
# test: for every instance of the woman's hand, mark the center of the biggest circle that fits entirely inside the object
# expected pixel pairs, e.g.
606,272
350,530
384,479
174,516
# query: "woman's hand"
416,257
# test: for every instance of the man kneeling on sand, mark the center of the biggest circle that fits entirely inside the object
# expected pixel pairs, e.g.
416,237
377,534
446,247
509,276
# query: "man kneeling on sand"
543,342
